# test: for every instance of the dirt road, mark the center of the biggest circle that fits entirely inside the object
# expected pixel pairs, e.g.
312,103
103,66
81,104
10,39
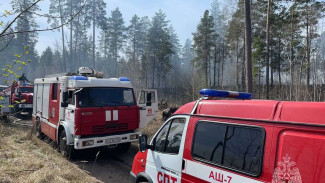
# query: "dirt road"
105,164
101,163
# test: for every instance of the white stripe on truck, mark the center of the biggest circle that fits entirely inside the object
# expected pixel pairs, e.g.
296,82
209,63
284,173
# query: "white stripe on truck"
108,115
115,115
212,174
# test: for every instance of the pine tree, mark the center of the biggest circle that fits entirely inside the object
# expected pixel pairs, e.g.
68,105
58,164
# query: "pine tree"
187,56
46,60
98,13
26,22
310,12
116,34
204,40
248,47
159,47
56,8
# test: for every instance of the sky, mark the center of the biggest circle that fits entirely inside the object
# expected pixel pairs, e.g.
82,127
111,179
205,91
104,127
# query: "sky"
184,15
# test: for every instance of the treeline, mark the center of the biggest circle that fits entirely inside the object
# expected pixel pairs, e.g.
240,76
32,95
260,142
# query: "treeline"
288,46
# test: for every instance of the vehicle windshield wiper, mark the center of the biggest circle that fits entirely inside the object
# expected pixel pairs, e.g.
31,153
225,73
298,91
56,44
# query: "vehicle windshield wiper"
79,90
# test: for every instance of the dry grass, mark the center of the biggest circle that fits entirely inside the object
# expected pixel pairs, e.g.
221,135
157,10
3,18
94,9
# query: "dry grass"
26,159
153,126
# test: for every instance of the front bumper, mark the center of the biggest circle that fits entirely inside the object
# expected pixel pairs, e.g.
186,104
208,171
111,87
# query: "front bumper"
133,178
104,141
25,106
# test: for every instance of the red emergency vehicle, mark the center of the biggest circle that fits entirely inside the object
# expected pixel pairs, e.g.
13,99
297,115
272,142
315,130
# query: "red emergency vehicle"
20,97
236,141
83,111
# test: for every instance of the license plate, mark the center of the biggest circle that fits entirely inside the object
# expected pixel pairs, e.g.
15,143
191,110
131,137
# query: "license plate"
113,140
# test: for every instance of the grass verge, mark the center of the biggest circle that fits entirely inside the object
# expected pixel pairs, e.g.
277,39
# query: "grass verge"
153,126
24,158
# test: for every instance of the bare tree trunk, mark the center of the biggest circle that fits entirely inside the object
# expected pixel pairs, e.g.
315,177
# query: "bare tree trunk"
248,48
222,63
259,79
193,83
237,67
63,43
76,56
279,61
219,61
299,85
209,71
206,70
94,35
291,58
308,47
314,79
71,55
267,49
271,67
215,65
243,73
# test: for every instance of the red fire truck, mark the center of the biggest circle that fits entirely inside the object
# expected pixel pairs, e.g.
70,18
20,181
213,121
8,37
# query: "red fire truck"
236,141
17,99
83,111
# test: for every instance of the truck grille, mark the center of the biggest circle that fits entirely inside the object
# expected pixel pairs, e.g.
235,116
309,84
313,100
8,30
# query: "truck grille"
110,127
30,98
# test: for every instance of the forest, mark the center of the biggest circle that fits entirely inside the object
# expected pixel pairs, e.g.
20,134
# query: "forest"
286,47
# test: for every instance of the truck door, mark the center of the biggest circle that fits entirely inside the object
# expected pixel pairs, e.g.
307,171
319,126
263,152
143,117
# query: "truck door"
54,104
70,110
148,103
165,160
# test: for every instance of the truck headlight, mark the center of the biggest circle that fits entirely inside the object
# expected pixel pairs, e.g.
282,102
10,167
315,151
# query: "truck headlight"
88,143
134,136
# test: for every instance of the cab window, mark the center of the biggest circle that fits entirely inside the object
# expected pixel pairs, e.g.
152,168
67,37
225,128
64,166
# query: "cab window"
168,140
71,97
55,91
143,97
235,147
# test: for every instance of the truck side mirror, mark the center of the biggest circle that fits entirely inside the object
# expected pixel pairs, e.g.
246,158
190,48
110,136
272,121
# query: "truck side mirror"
65,99
143,143
65,96
148,103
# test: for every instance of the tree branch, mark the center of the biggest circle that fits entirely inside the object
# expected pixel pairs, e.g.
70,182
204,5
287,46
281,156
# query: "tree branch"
8,26
47,29
12,37
44,15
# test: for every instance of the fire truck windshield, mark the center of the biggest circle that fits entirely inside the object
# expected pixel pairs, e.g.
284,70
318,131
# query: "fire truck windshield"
25,90
102,97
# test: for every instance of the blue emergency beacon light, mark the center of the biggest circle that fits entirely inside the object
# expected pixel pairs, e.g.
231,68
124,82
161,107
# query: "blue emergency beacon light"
225,94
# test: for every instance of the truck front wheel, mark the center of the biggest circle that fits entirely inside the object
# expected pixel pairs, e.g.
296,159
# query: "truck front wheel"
66,150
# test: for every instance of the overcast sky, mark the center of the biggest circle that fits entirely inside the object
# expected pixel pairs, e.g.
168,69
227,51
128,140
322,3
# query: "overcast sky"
184,15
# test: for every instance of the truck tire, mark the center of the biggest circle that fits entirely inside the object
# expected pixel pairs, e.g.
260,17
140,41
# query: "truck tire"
38,130
122,148
66,151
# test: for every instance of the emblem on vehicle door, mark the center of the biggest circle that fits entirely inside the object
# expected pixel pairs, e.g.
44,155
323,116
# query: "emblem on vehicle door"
149,112
286,172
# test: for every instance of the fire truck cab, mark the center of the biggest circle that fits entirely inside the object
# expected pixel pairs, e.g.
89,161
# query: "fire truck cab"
17,99
80,112
236,141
